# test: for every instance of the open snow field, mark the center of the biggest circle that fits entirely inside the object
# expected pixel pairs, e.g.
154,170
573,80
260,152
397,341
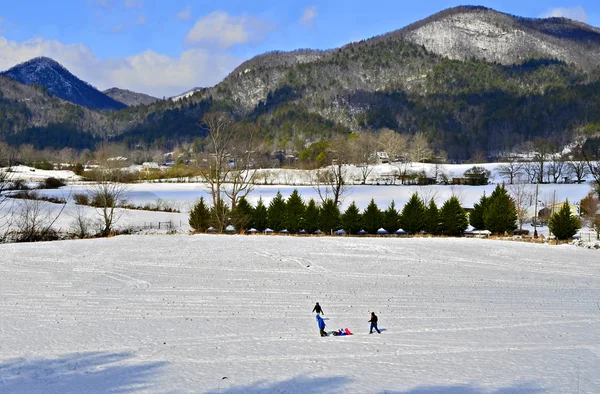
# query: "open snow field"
177,314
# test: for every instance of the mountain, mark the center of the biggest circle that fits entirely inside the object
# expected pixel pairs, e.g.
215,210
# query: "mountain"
128,97
61,83
473,80
465,32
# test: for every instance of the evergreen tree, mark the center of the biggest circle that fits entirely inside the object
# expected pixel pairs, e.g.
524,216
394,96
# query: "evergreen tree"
500,214
329,216
563,224
200,216
432,218
311,217
351,219
453,218
260,216
276,218
219,215
294,212
372,218
242,215
413,214
476,215
391,218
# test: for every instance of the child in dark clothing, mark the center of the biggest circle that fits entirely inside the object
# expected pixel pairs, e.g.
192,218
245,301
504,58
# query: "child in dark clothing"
373,322
318,309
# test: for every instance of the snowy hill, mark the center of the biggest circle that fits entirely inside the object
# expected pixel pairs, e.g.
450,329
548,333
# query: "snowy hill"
187,94
232,314
61,83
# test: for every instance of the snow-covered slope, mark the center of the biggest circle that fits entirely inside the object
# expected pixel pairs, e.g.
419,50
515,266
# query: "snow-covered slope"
186,94
466,32
232,314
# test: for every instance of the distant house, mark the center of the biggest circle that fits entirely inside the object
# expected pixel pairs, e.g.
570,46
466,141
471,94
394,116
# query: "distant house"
150,165
382,157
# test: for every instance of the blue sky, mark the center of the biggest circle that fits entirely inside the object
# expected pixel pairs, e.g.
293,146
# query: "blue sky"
166,47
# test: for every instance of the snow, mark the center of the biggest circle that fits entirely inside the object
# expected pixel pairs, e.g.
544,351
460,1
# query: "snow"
231,314
31,174
186,94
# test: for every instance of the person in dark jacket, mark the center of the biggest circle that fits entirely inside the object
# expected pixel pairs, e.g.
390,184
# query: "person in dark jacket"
318,309
321,324
373,322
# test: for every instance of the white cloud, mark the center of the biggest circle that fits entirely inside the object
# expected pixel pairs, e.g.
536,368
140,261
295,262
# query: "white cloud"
575,13
185,14
225,31
309,15
147,72
141,20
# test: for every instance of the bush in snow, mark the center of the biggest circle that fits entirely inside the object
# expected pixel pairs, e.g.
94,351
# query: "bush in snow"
563,224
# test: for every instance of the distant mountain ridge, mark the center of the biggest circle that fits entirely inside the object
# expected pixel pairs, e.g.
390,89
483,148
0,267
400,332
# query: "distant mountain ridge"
472,79
129,98
61,83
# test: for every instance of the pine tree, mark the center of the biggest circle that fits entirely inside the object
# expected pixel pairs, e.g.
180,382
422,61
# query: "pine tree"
242,215
219,215
372,218
351,219
260,217
476,215
276,213
391,218
200,216
294,212
329,216
563,224
413,214
500,214
311,217
453,218
432,219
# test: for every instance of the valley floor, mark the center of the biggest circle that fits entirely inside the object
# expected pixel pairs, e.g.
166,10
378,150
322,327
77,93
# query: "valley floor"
232,314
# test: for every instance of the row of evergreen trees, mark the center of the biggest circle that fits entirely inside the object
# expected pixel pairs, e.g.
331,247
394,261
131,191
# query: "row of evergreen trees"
294,215
496,213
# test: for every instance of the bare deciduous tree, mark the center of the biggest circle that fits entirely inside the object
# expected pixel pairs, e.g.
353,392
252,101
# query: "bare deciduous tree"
555,169
331,182
419,148
33,221
523,196
511,170
395,144
106,195
82,225
364,148
230,170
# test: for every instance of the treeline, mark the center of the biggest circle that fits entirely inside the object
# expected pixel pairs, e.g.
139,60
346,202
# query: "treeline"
293,215
496,213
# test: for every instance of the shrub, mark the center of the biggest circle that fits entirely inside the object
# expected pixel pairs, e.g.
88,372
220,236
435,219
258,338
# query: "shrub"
78,169
563,224
81,199
52,183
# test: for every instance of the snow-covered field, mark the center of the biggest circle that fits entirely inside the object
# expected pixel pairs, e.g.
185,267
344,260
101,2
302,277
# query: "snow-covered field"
232,314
